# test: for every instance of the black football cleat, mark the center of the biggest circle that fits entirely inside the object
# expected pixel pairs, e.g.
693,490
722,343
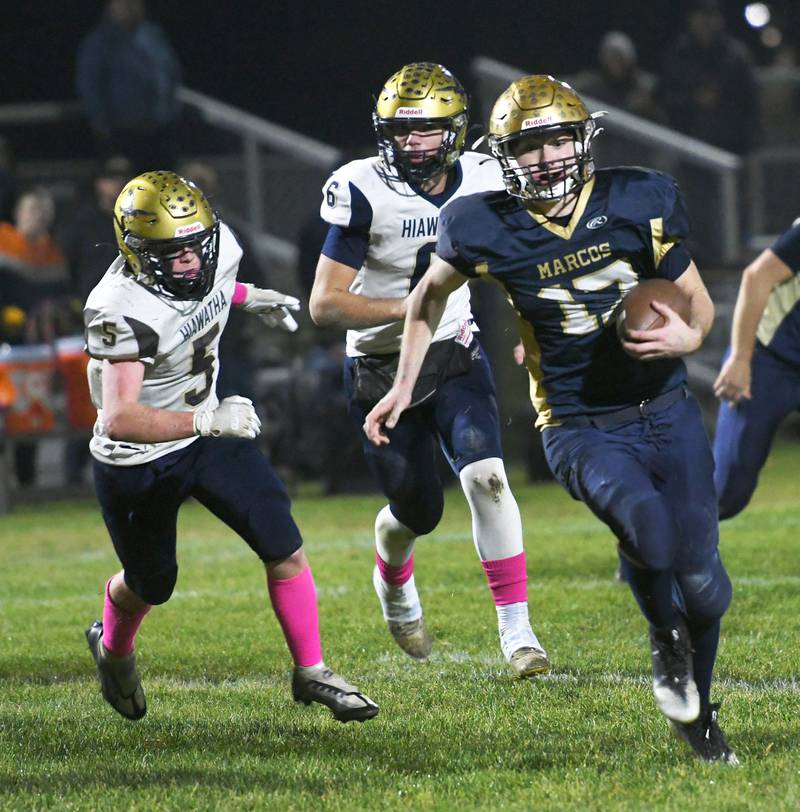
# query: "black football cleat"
673,675
705,737
119,680
322,685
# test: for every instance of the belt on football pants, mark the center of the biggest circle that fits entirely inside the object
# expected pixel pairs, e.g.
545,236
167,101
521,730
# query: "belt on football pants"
647,407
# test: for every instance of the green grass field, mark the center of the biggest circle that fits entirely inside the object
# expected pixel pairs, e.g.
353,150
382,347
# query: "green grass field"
453,733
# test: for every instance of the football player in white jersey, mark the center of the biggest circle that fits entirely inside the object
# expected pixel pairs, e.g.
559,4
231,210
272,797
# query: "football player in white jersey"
153,325
383,214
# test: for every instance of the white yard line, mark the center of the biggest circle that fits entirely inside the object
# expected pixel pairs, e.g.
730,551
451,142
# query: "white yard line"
338,590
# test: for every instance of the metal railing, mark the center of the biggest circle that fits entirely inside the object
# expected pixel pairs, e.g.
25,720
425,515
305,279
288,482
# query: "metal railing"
255,152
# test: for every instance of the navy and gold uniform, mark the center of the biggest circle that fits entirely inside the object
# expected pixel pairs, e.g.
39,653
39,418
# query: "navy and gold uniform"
645,469
745,430
621,434
565,282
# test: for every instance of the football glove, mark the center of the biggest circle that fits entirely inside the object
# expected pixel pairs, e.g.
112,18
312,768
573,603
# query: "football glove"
272,307
234,417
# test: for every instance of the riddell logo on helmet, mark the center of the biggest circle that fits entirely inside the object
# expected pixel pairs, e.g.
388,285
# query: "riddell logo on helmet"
409,112
536,122
192,228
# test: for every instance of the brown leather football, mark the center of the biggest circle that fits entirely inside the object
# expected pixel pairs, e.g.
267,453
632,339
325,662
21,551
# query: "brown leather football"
635,312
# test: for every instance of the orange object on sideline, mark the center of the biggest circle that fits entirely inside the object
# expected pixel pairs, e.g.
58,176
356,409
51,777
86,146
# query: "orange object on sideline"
31,370
71,362
8,391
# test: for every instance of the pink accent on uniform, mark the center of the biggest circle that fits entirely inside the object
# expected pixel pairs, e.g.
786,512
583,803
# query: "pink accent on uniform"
392,574
294,601
508,579
119,627
239,293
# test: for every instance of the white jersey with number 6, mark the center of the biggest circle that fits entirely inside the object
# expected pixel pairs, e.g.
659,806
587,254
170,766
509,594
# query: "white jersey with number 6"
402,227
176,340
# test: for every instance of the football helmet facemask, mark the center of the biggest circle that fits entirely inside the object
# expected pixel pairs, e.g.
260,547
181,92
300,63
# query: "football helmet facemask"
421,96
159,215
541,107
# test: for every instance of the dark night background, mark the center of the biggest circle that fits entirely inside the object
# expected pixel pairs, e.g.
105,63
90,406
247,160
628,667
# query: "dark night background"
314,67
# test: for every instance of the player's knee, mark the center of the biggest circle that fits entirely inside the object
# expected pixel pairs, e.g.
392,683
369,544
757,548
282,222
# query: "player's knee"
153,588
650,535
732,501
421,514
484,480
707,592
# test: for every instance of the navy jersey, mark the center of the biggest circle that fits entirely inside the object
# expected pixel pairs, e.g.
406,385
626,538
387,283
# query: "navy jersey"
779,328
566,282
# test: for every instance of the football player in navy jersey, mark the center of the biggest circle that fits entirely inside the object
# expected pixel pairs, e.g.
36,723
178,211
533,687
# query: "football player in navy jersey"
384,216
621,430
759,383
153,325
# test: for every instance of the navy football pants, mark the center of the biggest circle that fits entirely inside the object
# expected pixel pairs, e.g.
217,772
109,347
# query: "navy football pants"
651,481
231,477
745,431
461,417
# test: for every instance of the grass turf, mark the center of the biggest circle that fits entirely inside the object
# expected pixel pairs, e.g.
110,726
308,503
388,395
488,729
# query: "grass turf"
455,732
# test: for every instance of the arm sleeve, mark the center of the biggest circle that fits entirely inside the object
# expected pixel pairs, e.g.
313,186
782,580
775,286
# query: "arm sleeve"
344,204
346,245
669,222
787,248
119,338
449,245
674,262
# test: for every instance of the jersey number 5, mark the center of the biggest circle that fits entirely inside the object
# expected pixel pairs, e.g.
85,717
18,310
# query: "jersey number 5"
202,361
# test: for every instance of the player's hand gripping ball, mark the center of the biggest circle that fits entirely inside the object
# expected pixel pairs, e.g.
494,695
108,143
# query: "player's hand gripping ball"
635,312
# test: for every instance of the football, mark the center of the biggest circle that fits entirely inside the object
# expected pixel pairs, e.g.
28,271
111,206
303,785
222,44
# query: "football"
635,312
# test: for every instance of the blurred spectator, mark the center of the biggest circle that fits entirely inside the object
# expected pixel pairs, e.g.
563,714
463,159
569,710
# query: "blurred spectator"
33,273
780,97
8,182
618,80
90,246
708,86
34,289
237,368
87,238
127,78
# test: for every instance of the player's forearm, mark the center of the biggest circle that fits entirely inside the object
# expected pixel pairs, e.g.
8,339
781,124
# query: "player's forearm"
138,423
701,312
422,318
353,311
750,303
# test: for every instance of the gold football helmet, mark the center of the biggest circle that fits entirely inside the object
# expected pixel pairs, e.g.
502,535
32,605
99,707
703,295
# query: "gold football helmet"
157,216
540,106
420,96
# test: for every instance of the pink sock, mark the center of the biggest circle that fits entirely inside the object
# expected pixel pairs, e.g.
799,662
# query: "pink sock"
394,575
508,579
119,627
294,601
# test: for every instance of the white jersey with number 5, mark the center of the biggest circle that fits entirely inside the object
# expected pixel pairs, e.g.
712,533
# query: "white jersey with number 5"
177,341
402,227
